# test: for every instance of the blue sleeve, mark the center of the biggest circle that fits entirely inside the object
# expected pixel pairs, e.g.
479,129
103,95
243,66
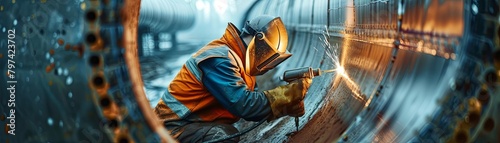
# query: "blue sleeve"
222,80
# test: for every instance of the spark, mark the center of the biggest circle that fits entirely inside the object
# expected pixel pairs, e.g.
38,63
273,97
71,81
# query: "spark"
333,54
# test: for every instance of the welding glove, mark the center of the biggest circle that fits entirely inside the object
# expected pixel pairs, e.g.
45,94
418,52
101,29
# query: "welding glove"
287,99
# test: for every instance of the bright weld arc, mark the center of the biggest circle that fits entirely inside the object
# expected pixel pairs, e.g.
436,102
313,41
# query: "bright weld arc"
339,69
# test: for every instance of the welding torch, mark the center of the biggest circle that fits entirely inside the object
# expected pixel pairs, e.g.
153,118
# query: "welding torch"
295,74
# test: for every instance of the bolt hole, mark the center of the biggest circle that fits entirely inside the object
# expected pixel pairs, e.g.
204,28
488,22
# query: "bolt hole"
461,137
484,96
489,125
123,140
98,81
94,60
105,102
91,38
113,123
91,16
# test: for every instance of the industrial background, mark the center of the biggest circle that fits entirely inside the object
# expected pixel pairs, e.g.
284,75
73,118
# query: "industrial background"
406,70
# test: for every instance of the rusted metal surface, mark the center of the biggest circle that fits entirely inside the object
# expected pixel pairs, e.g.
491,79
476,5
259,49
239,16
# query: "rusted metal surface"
130,21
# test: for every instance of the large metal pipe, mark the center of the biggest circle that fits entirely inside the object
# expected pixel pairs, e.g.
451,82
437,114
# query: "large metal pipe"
414,70
166,15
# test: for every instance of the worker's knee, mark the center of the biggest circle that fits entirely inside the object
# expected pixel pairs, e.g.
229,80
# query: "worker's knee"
200,132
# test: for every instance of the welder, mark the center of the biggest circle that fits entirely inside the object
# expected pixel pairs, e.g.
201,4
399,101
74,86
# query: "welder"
217,86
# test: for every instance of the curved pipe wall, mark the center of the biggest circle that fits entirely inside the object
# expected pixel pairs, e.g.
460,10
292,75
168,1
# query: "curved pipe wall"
415,71
166,16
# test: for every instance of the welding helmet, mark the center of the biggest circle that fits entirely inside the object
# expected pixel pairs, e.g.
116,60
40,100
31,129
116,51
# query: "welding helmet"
267,47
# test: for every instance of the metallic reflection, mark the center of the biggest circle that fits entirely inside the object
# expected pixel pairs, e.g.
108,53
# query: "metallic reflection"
412,63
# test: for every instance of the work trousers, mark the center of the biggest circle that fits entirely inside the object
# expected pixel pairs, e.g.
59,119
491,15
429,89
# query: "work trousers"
202,132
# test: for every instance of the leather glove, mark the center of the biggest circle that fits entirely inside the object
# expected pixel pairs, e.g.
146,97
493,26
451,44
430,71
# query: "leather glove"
287,99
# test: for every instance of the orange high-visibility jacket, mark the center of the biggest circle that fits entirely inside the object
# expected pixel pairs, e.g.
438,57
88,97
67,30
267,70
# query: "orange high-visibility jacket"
189,100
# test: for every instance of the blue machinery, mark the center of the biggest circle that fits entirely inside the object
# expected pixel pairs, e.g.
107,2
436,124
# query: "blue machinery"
407,70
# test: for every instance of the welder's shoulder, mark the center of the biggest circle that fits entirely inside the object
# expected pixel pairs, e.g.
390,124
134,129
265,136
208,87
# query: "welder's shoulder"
222,53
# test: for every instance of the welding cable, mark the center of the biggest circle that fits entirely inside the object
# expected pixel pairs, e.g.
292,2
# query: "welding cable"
239,133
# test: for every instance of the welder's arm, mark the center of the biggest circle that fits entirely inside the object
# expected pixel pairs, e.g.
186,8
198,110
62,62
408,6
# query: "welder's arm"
223,80
288,99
